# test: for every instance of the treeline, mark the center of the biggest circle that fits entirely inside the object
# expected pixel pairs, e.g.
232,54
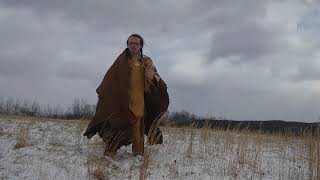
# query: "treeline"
79,109
185,119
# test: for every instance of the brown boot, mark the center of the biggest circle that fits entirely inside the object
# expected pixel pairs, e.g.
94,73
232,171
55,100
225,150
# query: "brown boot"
110,151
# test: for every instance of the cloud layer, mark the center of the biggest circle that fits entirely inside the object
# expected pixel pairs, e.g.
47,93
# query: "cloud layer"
248,60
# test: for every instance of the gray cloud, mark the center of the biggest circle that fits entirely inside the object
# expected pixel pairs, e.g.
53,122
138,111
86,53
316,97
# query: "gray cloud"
249,40
111,15
243,60
308,71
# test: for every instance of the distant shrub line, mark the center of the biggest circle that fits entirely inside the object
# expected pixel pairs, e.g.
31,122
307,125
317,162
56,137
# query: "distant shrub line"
185,119
80,109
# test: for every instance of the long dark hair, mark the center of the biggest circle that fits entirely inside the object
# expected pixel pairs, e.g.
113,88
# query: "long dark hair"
141,43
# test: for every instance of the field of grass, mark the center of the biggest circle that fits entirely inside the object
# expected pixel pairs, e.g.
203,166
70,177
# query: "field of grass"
35,148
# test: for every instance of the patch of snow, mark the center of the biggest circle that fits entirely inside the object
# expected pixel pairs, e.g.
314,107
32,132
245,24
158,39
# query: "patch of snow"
56,149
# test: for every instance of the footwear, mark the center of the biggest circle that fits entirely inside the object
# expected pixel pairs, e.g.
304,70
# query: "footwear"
110,153
137,160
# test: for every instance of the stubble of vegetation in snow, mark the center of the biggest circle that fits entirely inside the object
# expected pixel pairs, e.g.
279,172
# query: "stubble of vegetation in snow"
34,148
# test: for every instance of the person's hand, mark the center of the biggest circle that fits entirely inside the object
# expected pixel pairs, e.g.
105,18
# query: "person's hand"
149,74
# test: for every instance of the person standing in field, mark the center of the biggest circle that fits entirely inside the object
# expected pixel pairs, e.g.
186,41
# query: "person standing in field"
131,99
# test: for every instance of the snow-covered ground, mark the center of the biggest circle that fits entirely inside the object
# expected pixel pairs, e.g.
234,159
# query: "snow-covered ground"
33,148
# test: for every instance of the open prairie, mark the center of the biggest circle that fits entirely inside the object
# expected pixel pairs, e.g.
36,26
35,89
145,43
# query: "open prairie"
35,148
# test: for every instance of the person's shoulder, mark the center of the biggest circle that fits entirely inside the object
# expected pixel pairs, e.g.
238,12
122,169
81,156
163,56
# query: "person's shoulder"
147,60
145,57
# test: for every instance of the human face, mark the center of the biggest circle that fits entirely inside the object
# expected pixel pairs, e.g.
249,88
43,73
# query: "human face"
134,45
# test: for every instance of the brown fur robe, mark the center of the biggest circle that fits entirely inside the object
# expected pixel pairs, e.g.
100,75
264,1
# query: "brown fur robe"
112,111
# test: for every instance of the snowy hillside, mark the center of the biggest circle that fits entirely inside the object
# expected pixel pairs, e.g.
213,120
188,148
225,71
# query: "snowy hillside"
55,149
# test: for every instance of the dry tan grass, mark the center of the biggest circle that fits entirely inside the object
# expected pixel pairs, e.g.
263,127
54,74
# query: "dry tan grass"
242,153
28,119
22,137
313,150
97,167
234,153
191,139
145,166
152,137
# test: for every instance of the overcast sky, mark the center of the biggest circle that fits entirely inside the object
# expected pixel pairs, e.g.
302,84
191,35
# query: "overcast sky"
244,60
